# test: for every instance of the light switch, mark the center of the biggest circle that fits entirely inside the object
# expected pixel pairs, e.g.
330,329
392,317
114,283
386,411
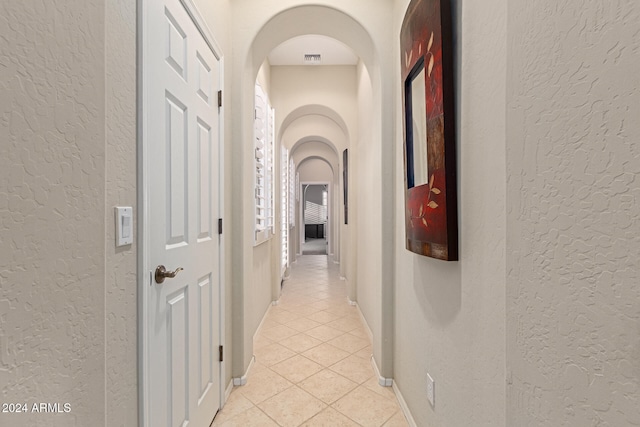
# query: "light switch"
124,226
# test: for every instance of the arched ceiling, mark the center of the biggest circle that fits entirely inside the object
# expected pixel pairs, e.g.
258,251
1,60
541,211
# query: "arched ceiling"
317,20
314,127
311,158
313,140
314,110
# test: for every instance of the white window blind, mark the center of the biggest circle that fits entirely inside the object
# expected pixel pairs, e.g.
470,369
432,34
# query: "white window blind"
264,166
292,193
284,225
271,172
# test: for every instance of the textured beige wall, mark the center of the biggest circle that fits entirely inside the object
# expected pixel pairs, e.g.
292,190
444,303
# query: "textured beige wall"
366,155
450,315
573,342
121,275
52,208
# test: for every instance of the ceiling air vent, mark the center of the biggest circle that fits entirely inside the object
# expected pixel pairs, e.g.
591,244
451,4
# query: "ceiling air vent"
312,58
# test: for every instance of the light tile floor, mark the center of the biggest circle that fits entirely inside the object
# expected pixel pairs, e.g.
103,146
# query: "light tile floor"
313,361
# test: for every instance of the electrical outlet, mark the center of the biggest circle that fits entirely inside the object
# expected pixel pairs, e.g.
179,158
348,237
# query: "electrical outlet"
431,390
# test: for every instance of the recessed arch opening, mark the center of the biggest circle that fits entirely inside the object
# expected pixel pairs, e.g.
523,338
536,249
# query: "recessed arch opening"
337,24
311,19
313,110
341,26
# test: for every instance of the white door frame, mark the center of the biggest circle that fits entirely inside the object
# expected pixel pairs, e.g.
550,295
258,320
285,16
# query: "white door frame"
302,223
145,278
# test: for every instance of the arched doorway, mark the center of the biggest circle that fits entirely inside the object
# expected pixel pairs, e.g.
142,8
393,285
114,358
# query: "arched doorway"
372,71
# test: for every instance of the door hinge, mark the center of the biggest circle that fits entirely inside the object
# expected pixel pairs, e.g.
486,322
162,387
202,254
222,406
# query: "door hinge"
221,349
219,98
219,225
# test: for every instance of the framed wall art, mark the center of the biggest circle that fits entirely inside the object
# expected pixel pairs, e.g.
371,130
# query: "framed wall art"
431,219
345,183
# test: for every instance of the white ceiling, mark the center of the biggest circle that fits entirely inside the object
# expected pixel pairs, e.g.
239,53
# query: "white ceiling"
292,51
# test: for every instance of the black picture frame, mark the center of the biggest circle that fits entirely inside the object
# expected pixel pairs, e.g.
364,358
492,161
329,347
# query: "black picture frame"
345,184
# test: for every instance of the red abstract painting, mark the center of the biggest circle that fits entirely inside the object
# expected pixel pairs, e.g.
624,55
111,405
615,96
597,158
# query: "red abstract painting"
429,130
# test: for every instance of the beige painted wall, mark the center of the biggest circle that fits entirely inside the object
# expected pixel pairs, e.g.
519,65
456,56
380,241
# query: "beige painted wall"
450,315
366,154
349,241
264,79
69,316
121,263
557,291
573,224
52,209
265,286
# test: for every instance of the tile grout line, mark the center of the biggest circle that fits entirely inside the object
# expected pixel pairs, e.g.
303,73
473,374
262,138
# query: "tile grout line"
306,300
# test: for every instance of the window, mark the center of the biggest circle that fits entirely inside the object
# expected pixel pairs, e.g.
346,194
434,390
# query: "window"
264,167
324,201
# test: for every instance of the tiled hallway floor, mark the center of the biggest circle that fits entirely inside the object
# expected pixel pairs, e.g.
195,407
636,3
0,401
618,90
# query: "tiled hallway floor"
313,361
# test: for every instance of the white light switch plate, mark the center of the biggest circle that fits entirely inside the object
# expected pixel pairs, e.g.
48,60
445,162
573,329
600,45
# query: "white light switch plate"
124,225
431,390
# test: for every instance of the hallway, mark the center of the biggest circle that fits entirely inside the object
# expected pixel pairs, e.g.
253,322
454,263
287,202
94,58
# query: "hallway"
312,361
132,140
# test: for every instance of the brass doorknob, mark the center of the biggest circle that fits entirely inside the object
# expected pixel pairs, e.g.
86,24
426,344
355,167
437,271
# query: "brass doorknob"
162,273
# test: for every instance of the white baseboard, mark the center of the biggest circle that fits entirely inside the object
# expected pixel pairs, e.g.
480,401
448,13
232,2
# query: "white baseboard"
403,406
266,313
243,379
384,382
276,302
364,321
227,392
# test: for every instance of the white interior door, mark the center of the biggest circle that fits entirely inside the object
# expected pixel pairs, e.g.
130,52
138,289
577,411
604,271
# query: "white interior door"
181,75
